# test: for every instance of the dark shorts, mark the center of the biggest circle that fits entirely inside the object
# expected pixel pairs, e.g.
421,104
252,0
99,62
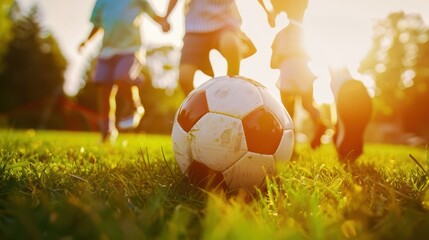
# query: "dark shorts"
197,46
124,67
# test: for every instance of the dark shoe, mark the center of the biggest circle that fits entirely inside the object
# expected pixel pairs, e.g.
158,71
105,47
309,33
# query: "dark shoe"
354,108
131,122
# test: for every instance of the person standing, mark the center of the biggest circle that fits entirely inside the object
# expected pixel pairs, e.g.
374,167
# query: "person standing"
210,24
118,61
290,57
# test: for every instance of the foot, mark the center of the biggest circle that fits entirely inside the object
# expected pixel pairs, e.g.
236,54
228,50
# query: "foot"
109,136
354,109
131,122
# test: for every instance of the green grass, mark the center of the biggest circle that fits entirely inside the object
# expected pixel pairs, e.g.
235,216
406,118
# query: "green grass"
62,185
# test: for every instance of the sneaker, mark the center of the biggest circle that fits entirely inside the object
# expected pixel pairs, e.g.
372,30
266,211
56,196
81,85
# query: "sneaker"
354,108
109,136
132,121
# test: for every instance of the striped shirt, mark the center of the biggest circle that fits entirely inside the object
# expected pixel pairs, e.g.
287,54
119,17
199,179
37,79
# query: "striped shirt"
210,15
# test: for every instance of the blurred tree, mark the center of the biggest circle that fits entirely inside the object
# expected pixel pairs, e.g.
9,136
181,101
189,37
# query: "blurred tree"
5,26
31,82
416,111
396,62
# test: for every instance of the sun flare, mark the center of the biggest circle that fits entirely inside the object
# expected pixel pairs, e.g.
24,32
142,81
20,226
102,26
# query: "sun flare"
333,41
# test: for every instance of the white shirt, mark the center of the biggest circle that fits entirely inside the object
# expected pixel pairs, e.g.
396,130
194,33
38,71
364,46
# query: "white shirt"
210,15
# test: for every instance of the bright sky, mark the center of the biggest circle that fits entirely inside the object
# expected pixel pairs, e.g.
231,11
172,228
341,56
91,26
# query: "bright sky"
337,31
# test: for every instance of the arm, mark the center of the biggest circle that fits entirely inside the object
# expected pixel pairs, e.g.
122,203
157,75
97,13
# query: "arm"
270,14
170,8
96,20
262,3
90,36
162,21
166,24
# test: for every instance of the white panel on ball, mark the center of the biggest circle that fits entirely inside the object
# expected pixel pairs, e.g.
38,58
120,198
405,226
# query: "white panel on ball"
236,97
250,171
181,147
285,149
217,141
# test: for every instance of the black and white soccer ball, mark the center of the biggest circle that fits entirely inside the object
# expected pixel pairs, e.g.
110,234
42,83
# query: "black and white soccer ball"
231,132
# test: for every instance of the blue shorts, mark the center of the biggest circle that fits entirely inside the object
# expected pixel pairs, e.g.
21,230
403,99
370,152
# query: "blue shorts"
123,67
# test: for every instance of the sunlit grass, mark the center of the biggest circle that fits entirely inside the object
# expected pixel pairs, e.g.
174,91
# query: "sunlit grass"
65,185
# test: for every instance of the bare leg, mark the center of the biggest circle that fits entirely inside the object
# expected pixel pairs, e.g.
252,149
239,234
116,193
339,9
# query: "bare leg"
288,100
186,77
307,104
354,109
229,47
131,95
103,96
320,128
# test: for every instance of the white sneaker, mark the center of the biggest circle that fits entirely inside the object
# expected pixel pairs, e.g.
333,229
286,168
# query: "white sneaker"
132,121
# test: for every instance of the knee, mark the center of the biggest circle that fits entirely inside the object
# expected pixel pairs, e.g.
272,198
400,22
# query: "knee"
186,77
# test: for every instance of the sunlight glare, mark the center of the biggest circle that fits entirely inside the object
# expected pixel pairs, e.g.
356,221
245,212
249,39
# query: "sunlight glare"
333,40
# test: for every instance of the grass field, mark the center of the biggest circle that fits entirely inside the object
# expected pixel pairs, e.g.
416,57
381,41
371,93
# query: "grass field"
61,185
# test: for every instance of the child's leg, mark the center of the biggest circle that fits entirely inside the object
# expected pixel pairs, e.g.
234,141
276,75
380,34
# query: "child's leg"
186,77
307,104
320,128
127,75
132,97
288,100
195,56
229,47
130,93
103,86
354,108
103,92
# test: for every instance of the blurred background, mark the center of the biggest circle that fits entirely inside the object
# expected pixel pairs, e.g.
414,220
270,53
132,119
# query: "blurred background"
46,84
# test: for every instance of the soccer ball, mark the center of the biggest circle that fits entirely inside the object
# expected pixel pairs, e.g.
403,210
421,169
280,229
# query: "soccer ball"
231,132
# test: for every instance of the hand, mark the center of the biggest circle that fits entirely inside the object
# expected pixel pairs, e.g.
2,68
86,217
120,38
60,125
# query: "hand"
81,46
165,26
162,21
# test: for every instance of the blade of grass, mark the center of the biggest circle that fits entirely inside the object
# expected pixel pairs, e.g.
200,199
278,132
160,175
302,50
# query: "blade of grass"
418,164
79,178
168,166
